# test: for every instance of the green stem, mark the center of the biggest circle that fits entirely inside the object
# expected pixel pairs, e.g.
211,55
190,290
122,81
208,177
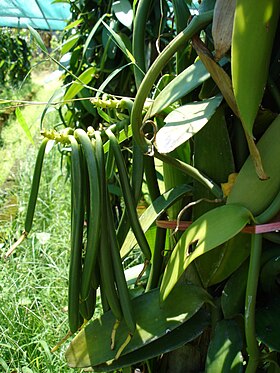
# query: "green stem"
182,16
250,303
270,211
192,172
138,41
151,177
197,23
157,257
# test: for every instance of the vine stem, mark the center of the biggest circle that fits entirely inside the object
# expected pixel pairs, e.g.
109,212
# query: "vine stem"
192,172
196,24
250,303
138,40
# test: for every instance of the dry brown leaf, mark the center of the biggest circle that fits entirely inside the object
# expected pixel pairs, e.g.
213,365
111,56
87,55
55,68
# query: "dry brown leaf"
224,83
222,26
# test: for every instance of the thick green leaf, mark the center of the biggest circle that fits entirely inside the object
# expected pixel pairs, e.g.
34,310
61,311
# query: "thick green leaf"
123,12
92,344
270,273
268,324
215,266
120,43
224,352
233,296
92,32
173,177
69,43
85,94
74,24
212,155
153,212
24,125
163,81
185,122
207,232
76,87
253,33
249,190
181,85
176,338
109,78
224,83
109,45
38,39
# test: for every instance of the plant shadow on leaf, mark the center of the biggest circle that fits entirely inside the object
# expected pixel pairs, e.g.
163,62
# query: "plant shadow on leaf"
172,340
92,345
224,353
185,122
268,324
210,230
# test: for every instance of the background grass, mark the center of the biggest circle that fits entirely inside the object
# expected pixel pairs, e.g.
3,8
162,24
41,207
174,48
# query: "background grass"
33,281
14,142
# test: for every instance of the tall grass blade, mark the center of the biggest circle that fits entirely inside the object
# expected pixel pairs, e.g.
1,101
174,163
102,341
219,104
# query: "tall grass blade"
120,43
38,38
24,125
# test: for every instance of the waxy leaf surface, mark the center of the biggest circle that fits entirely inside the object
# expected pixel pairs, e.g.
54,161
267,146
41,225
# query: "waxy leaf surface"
207,232
185,122
91,346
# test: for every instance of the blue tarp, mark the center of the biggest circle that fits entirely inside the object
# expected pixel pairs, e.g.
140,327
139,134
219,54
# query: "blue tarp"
40,14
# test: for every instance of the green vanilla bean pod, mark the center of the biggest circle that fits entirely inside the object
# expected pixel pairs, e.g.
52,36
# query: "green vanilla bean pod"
35,186
105,256
107,277
86,188
94,221
104,301
123,292
87,307
77,222
136,185
32,197
128,197
110,164
108,282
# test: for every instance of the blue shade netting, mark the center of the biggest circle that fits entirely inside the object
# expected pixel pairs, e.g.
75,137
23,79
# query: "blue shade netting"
40,14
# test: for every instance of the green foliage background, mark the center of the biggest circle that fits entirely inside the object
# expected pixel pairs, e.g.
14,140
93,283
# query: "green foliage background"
170,115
